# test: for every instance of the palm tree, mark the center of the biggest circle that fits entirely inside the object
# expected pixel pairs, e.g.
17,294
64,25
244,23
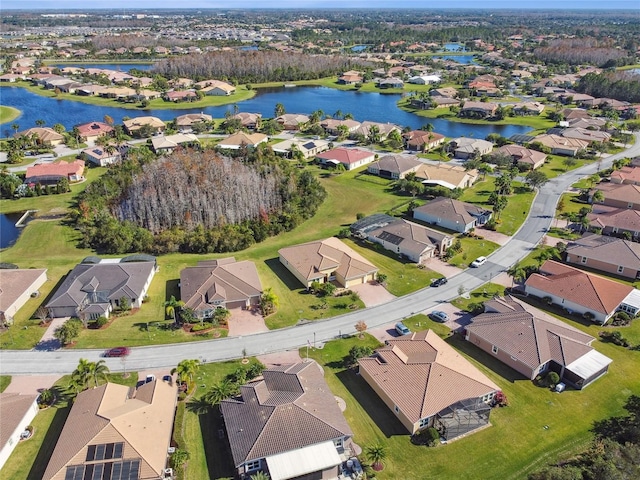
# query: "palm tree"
260,476
517,273
376,454
279,110
82,375
597,197
40,123
219,392
499,206
559,209
186,369
268,302
99,370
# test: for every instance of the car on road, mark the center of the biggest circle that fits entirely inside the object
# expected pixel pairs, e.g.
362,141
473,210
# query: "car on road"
478,262
438,316
117,352
402,329
436,282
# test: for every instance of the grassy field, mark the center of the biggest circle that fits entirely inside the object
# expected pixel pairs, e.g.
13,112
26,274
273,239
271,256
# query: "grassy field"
472,248
30,458
479,295
554,166
516,443
8,114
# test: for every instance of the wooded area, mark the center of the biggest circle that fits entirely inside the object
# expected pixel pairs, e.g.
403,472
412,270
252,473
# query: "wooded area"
255,66
577,51
191,201
619,85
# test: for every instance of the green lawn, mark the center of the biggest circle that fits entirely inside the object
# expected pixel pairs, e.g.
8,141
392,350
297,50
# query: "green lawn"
516,443
517,209
472,248
8,114
554,166
572,203
479,295
30,458
5,380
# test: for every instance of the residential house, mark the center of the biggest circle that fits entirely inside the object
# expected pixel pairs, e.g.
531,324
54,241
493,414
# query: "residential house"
287,424
569,147
528,108
425,79
185,123
95,287
351,158
50,173
606,254
444,102
239,139
18,285
331,125
43,135
590,136
478,109
615,221
89,132
308,148
390,82
452,214
18,411
465,148
102,157
180,96
446,175
426,383
589,123
119,93
407,239
581,292
601,102
394,167
222,283
292,121
247,120
522,156
328,260
447,92
623,195
168,143
133,125
422,141
114,431
574,113
532,343
216,88
384,129
350,79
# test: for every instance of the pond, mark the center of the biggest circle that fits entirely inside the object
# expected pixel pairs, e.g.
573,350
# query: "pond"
363,106
120,67
9,233
464,59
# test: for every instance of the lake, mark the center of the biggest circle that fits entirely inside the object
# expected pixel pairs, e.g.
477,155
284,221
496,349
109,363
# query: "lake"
9,233
120,67
464,59
363,106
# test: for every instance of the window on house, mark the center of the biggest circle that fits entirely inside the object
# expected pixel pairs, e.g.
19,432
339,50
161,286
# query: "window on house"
396,409
253,465
424,422
614,229
583,260
494,349
339,442
620,268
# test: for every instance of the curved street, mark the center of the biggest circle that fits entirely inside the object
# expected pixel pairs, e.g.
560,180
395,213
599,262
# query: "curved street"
16,362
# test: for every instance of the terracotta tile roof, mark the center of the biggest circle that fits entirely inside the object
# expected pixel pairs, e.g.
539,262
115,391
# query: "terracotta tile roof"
143,421
223,279
622,218
626,175
290,408
586,289
527,337
522,155
191,118
556,141
15,282
138,122
45,134
345,155
417,138
309,259
13,407
423,375
611,250
621,193
93,129
56,169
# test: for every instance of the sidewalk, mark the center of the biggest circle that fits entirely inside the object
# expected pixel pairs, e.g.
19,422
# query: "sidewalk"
48,342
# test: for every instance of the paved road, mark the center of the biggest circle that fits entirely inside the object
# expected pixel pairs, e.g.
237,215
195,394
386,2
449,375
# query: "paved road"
537,223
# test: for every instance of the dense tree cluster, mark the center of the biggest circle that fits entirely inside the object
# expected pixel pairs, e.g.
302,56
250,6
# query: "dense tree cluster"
255,67
576,51
619,85
198,202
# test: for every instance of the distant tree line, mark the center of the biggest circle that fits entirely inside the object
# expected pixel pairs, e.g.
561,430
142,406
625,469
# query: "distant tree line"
576,51
200,202
256,66
620,85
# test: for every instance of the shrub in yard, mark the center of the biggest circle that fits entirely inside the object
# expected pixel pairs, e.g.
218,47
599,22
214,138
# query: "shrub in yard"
552,379
500,400
614,337
182,396
588,316
621,319
357,352
101,322
200,327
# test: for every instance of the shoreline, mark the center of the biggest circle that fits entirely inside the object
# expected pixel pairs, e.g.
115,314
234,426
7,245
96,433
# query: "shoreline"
8,114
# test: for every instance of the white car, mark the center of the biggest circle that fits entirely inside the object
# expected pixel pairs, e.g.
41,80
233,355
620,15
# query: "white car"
478,262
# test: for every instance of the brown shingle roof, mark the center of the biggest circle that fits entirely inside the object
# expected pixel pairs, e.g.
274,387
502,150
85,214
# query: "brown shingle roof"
623,218
14,282
621,193
144,422
611,250
290,408
591,291
399,164
451,209
13,407
423,375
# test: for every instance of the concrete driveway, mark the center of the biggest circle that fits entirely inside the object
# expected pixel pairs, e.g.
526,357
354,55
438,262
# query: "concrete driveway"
372,294
31,384
457,318
246,322
443,268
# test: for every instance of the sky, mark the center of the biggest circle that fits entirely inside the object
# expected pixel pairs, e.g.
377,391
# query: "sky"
289,4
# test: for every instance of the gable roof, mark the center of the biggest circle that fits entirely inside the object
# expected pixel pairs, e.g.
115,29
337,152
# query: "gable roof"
14,407
412,237
347,156
418,138
396,163
469,145
14,283
138,122
452,210
611,250
94,128
143,418
423,375
446,175
627,174
620,192
582,288
189,119
223,279
523,335
289,408
309,259
521,154
622,218
116,279
242,138
45,134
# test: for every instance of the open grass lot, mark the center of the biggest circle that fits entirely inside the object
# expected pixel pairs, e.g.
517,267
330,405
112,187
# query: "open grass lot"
516,211
516,443
554,166
479,295
572,203
472,248
8,114
30,458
